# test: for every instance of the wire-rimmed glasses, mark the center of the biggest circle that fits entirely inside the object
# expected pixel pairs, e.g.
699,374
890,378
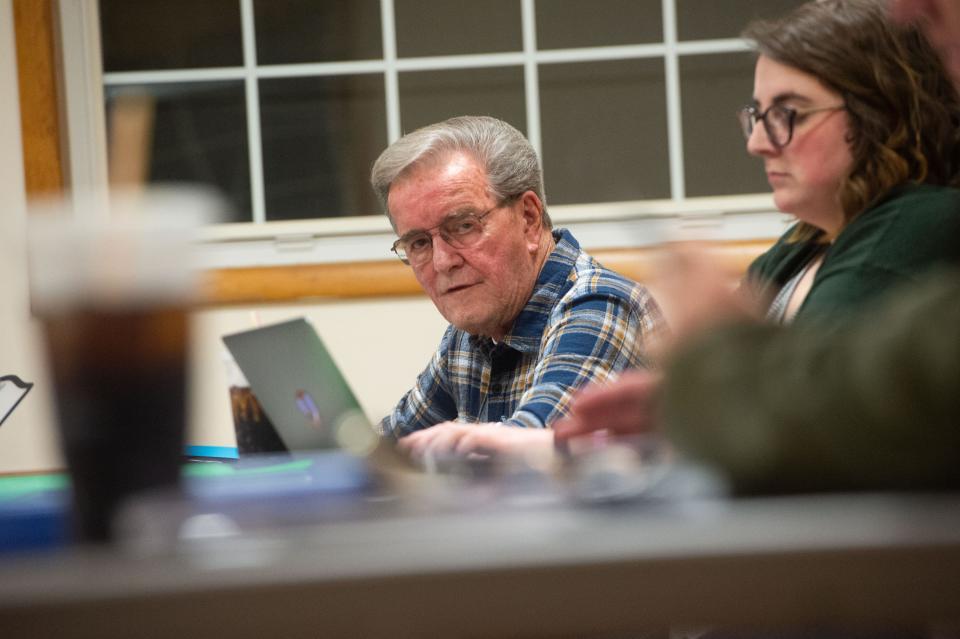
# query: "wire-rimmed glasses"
459,230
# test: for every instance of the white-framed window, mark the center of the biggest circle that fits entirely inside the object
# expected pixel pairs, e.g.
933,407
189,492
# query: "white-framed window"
284,104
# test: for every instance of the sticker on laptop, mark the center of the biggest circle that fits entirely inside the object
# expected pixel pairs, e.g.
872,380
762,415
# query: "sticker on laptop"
309,409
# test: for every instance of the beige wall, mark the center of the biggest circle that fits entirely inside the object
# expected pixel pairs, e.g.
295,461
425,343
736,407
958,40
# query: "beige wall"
26,439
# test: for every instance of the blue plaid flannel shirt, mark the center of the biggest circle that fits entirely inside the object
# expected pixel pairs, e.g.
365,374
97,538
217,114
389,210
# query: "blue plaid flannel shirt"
583,323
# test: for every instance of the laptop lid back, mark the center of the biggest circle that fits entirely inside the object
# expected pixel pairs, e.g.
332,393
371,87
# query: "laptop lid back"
296,381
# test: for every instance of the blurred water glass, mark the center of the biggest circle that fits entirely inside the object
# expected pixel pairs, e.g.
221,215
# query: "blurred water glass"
112,279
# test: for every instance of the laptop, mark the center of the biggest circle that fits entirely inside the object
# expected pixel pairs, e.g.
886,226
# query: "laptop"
298,385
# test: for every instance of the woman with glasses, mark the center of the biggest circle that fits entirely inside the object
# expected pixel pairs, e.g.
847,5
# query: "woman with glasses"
857,125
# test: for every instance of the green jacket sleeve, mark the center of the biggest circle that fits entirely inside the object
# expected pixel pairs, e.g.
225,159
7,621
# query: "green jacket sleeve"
868,402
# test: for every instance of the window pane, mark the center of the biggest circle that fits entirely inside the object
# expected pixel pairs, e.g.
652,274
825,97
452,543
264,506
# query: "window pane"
604,131
170,34
320,137
199,135
454,27
291,31
575,23
699,20
713,88
430,96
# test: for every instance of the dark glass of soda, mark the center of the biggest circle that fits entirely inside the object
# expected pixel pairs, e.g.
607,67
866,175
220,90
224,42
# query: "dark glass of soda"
120,380
111,279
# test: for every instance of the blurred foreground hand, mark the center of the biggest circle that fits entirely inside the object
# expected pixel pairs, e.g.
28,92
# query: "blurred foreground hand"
625,407
697,289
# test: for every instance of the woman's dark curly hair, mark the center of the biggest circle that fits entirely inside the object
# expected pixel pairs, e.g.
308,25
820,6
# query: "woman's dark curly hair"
902,109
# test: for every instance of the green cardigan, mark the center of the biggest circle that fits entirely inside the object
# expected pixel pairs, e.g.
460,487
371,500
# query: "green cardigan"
914,228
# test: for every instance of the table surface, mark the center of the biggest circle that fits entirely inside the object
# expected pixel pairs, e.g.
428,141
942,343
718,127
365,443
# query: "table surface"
512,568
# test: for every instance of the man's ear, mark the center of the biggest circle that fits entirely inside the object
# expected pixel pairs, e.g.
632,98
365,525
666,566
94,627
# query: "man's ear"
532,215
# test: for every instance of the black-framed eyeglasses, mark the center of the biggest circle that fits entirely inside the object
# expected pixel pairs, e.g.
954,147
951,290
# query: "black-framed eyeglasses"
778,121
459,230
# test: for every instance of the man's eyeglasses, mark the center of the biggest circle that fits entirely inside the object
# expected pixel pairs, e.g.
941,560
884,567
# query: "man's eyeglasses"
778,121
460,230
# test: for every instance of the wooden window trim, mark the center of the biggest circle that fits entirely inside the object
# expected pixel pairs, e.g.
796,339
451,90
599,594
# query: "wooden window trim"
284,284
37,81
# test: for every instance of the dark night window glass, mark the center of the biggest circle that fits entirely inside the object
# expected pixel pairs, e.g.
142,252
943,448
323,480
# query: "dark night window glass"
603,123
713,88
199,135
320,138
604,129
431,96
455,27
565,24
700,20
292,31
170,34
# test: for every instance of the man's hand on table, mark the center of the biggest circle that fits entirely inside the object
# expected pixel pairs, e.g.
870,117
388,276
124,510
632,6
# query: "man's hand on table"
455,439
627,406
